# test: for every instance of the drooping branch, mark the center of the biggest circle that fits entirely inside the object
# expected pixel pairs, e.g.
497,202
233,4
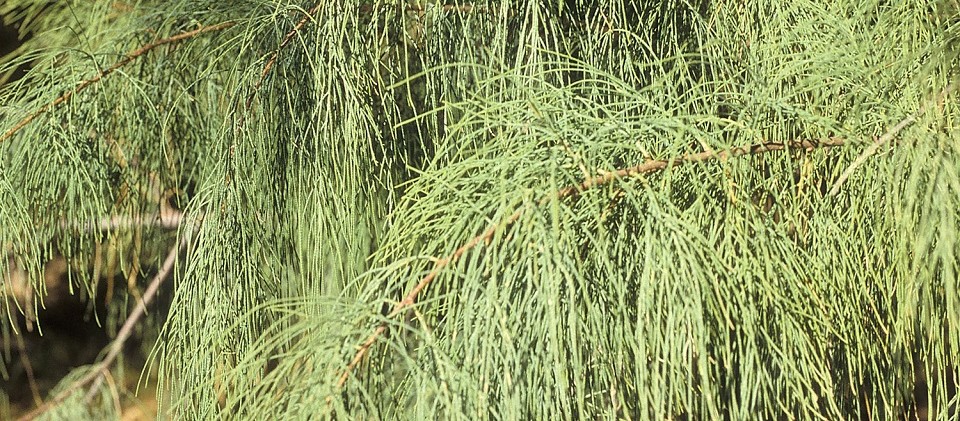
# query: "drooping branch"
883,140
276,53
648,167
129,57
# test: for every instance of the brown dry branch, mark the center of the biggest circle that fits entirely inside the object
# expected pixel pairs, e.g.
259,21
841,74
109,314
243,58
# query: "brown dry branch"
95,376
28,369
449,8
650,166
129,57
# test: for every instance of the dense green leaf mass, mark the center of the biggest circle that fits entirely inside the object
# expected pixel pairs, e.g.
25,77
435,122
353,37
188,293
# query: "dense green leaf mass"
387,135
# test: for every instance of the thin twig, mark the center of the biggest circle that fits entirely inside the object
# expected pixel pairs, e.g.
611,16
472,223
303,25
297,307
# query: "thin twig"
647,167
448,8
169,220
882,140
28,369
276,53
131,56
248,104
95,376
114,391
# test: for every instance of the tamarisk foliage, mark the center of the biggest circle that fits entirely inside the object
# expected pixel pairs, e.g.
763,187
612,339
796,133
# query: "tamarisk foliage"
500,209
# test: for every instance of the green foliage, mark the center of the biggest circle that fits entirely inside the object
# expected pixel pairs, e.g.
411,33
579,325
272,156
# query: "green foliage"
386,136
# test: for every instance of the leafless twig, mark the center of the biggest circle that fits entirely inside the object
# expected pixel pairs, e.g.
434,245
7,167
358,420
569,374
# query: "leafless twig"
167,220
95,376
28,368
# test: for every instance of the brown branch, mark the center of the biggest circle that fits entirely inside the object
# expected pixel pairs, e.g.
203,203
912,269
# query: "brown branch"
448,8
95,376
647,167
28,369
131,56
276,53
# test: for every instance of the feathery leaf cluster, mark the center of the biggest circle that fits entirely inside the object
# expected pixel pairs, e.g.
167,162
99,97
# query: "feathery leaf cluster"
407,185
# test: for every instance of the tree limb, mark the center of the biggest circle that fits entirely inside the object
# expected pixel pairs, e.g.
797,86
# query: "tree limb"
170,220
647,167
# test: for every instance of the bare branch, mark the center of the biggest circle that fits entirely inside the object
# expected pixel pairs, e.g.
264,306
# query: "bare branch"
168,220
28,368
95,376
